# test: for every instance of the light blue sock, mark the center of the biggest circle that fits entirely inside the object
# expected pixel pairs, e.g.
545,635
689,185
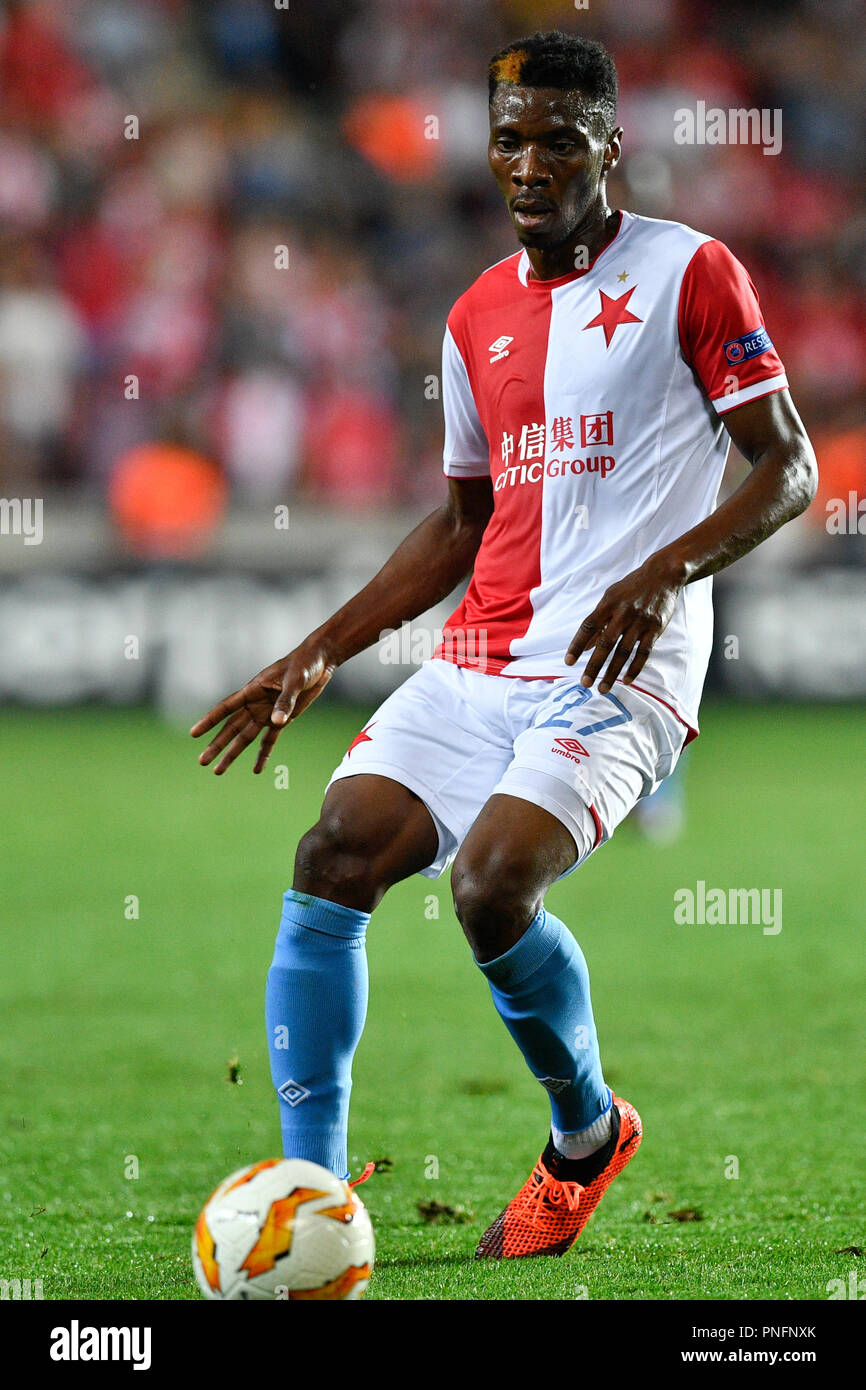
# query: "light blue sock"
316,1005
541,989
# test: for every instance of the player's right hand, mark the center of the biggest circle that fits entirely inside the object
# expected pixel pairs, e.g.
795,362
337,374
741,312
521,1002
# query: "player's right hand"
269,701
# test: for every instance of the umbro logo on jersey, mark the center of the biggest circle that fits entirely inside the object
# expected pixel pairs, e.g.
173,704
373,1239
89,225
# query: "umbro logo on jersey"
499,349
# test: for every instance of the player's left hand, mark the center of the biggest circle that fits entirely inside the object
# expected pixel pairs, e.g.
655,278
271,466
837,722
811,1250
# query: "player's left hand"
626,624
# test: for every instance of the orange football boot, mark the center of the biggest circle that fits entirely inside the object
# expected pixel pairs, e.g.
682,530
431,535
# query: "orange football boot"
548,1214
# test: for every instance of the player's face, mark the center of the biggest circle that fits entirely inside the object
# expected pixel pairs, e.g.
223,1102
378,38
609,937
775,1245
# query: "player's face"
549,160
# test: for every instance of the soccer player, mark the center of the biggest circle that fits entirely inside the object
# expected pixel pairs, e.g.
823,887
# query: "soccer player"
591,384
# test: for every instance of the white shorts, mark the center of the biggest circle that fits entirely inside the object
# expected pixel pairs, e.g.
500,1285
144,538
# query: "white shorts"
455,737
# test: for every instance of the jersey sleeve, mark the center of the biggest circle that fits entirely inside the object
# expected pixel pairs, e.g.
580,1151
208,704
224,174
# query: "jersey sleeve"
722,333
466,453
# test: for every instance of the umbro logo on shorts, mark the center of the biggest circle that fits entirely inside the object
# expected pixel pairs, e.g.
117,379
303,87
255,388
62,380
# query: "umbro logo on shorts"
570,748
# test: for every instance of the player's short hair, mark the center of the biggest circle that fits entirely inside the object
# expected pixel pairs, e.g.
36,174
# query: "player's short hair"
567,61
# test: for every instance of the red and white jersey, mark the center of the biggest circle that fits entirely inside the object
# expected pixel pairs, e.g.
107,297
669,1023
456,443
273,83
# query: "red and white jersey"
596,403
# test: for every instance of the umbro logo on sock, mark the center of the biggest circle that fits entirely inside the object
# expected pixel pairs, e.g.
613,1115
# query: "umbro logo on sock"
555,1084
292,1092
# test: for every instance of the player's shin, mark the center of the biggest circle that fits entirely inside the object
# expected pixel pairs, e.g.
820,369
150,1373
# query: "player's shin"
316,1005
541,990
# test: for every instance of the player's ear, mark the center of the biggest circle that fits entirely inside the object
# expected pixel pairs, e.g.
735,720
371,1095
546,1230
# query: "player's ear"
613,149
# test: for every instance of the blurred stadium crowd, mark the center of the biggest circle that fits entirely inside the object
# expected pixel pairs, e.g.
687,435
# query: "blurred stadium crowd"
352,132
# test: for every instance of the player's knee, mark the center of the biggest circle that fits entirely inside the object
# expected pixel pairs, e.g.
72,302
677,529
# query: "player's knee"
493,901
331,862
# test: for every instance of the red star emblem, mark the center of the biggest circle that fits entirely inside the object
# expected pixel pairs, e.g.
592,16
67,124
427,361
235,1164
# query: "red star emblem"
613,313
362,737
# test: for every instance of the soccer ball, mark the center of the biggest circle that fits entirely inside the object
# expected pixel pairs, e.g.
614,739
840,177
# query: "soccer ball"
283,1228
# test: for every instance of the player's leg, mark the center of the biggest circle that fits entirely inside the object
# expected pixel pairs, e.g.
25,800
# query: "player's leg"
539,983
372,833
406,791
580,764
537,973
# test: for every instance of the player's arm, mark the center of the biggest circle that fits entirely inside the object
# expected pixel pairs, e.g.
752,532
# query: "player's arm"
424,569
625,625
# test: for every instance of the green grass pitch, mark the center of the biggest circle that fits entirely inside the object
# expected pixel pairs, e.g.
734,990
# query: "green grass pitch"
741,1050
